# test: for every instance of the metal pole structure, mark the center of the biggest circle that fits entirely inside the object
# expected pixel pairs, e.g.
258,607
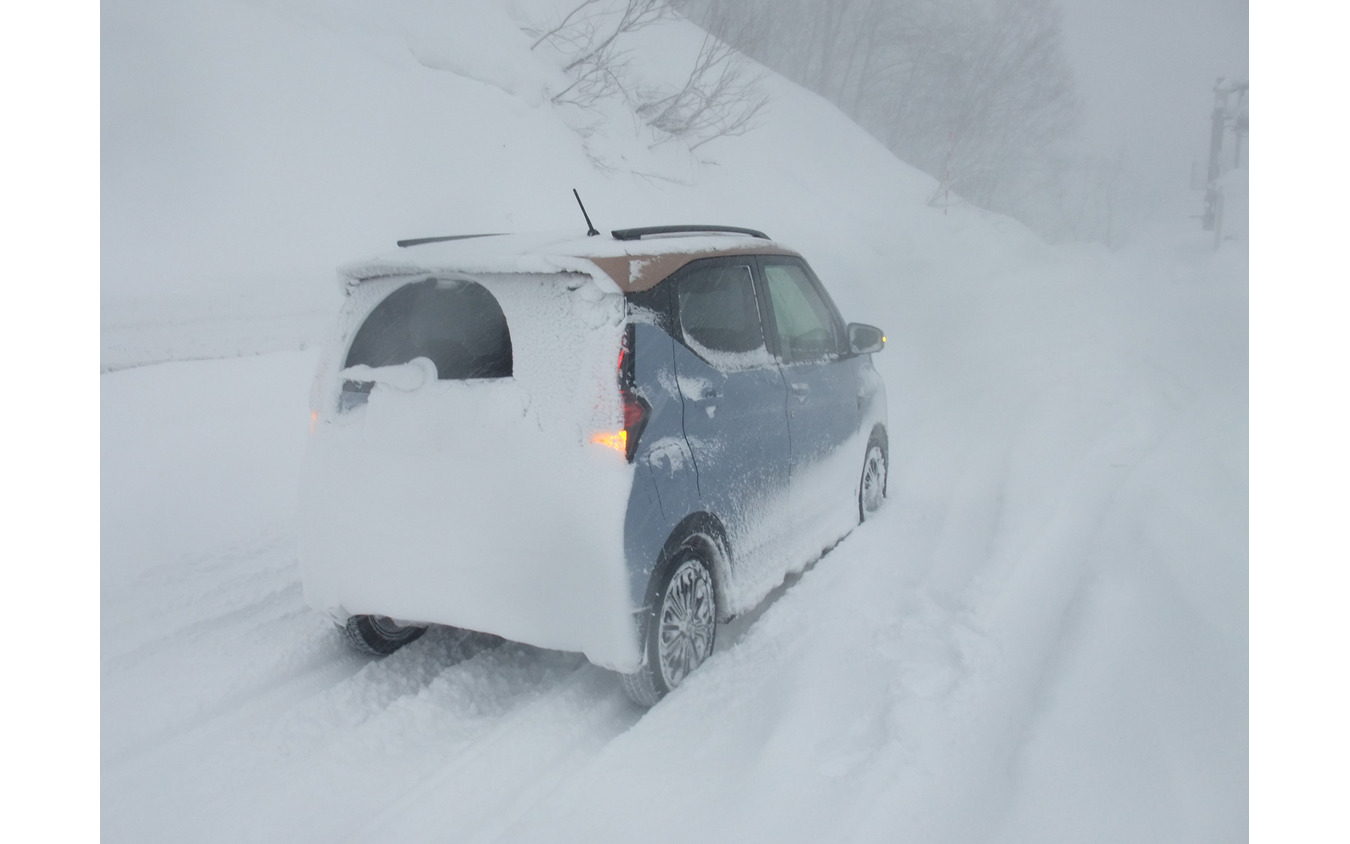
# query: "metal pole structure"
947,173
1221,90
1215,148
1240,124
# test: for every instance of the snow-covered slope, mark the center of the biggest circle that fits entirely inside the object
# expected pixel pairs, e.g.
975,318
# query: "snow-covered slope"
248,147
1042,637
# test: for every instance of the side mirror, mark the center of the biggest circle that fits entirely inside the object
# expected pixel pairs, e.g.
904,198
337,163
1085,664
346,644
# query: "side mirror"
865,339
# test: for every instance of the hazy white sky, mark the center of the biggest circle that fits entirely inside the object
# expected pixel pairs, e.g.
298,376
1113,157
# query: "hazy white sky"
1146,70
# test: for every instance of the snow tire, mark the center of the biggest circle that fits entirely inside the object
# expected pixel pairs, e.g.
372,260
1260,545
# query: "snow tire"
872,487
680,628
378,636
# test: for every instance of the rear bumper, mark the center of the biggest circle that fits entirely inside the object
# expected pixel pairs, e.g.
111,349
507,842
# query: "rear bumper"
526,544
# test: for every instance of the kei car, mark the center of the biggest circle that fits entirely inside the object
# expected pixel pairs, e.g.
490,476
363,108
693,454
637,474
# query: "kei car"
600,444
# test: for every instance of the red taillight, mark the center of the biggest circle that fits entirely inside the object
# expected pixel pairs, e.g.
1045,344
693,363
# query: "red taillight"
635,410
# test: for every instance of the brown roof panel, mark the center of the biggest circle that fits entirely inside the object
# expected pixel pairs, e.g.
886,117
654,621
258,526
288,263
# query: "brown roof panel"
632,265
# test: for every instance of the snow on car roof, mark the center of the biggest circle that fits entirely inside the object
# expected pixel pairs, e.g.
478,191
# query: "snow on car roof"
629,265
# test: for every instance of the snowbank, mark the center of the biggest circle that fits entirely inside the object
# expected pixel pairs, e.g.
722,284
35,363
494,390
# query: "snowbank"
1041,636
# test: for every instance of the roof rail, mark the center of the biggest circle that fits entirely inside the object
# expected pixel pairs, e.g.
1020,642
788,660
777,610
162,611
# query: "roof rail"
638,234
418,241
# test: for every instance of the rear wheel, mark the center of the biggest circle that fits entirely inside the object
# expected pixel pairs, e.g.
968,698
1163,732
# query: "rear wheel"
873,487
377,635
681,626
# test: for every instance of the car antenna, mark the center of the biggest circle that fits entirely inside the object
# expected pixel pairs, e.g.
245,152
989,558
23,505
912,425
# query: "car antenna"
590,227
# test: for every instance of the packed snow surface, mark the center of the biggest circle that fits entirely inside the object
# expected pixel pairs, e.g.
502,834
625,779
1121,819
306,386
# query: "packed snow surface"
1042,636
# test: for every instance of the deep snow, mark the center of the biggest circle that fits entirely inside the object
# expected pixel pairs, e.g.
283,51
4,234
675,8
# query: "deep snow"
1043,636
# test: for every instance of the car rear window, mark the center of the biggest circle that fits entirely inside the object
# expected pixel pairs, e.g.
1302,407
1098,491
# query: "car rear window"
457,324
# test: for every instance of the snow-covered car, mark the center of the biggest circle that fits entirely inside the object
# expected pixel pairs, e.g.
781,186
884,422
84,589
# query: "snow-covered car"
594,444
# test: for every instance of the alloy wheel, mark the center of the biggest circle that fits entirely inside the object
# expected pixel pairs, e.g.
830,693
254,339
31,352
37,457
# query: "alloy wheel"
687,623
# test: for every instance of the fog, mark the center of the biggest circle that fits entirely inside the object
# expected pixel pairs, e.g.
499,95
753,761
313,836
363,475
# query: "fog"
1042,636
1146,71
263,165
1082,119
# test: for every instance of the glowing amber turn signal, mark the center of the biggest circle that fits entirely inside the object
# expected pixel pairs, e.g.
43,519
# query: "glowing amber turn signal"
617,440
313,420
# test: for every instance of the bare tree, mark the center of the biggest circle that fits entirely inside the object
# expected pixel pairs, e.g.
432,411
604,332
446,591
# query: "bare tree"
590,36
720,96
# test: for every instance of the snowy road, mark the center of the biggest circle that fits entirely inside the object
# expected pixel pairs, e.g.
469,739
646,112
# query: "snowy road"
1042,636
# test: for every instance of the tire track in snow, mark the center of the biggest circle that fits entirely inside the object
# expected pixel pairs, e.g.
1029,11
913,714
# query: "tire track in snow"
224,624
520,762
217,620
512,764
180,724
254,747
194,593
1021,600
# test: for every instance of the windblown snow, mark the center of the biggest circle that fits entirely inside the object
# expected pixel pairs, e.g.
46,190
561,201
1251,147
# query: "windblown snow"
1042,636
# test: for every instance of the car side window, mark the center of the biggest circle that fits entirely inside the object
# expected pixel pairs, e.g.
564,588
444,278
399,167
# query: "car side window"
719,316
805,322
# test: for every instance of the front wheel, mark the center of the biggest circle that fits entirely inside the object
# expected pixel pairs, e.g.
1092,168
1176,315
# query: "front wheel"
681,626
873,486
378,636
